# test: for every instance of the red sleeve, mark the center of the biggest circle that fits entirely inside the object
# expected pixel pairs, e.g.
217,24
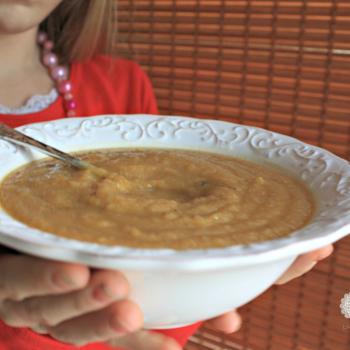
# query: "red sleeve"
148,100
105,85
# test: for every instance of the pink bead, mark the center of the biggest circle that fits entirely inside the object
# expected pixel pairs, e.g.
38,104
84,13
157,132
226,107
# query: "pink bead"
68,96
50,60
71,113
59,73
71,105
48,45
42,37
65,87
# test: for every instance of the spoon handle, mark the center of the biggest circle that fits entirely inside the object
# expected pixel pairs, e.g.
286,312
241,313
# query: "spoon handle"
17,137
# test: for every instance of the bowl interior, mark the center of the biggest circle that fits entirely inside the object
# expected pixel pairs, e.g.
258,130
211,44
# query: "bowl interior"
326,175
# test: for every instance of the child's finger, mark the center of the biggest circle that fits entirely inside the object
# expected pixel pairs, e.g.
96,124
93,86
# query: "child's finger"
105,287
305,263
145,340
228,323
23,276
117,320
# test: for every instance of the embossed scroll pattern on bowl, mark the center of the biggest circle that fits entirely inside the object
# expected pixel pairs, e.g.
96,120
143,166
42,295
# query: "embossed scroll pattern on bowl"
326,175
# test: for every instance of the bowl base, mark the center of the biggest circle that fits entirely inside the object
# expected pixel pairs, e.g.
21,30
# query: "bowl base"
171,326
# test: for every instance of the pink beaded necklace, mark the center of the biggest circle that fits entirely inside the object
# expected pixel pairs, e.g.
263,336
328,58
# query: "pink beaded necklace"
58,73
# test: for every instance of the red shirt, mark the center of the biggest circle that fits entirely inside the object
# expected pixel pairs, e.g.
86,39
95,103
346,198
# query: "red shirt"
100,86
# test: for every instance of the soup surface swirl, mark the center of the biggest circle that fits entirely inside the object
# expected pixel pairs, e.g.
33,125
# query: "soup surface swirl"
158,199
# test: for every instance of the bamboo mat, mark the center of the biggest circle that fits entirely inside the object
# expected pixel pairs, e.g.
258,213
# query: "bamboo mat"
281,65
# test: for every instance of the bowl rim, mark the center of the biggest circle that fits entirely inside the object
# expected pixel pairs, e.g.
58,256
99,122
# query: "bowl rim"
98,255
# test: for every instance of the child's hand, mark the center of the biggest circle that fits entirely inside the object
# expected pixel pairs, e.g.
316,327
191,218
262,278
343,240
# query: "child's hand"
231,321
304,263
77,306
71,303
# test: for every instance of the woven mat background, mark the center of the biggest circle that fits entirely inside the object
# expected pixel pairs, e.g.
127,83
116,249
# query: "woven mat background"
281,65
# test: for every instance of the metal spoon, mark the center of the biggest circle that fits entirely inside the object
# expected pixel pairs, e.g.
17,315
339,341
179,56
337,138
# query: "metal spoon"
12,135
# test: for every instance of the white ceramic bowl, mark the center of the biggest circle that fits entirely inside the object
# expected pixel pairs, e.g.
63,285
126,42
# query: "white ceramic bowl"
178,288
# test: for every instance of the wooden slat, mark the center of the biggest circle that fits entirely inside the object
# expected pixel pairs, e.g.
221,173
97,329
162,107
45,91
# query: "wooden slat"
283,65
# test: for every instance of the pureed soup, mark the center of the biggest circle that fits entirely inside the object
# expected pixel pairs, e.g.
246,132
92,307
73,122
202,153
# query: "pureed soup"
158,199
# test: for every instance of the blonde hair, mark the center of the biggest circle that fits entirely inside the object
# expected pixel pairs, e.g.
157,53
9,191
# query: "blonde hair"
81,29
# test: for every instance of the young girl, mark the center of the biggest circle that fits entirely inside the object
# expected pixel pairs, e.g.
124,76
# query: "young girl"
51,67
